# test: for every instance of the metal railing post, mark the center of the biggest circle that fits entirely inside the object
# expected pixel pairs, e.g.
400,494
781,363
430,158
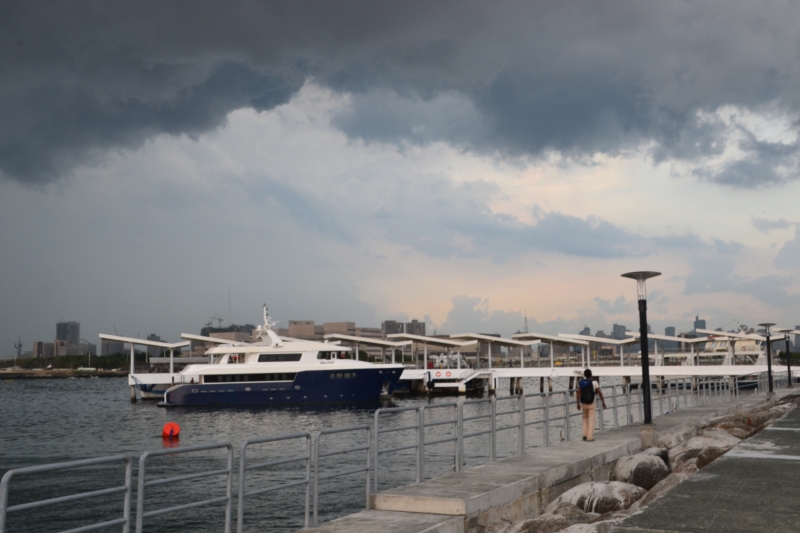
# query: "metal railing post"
546,419
38,469
566,415
460,438
421,446
521,424
629,419
494,428
614,403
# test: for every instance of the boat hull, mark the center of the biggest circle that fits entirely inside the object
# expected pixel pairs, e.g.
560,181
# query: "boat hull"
309,386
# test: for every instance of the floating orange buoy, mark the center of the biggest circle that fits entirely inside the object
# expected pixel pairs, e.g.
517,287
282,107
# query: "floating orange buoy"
171,430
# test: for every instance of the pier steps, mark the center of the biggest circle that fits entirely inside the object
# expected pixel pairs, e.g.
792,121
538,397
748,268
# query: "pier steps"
493,495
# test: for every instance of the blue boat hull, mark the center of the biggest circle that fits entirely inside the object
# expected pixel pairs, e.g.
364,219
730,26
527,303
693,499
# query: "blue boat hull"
309,386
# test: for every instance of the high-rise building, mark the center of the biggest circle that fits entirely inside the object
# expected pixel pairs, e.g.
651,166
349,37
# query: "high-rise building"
69,332
586,331
619,332
43,350
669,331
797,338
111,347
699,323
154,351
414,327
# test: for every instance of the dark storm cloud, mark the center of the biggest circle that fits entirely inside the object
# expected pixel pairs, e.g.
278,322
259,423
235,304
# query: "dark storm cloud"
509,78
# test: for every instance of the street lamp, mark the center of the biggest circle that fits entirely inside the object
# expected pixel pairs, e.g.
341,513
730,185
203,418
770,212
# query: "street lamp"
766,326
641,291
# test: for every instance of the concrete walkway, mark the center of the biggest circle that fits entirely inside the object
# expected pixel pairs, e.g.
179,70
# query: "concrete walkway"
750,489
494,495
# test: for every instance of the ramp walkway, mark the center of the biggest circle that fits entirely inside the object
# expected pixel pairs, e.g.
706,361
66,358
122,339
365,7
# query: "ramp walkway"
496,494
752,488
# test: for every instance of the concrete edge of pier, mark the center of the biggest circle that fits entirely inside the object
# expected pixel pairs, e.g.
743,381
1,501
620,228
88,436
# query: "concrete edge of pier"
496,494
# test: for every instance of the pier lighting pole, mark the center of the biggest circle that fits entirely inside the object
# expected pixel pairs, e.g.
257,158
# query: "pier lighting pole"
641,291
766,326
788,360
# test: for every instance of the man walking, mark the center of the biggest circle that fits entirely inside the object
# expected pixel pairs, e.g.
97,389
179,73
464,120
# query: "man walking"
587,388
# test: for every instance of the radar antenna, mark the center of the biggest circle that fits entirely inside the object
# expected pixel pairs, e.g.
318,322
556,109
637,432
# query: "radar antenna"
18,347
268,322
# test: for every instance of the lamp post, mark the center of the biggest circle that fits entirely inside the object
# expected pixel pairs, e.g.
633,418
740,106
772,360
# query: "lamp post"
766,326
641,291
788,361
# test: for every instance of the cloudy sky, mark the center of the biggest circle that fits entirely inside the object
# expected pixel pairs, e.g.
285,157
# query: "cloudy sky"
458,162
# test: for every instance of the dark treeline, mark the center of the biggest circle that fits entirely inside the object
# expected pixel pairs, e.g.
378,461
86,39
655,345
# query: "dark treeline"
105,362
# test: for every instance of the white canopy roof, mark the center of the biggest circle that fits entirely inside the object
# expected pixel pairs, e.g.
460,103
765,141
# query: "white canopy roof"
496,340
751,336
601,340
550,339
670,338
144,342
435,341
367,340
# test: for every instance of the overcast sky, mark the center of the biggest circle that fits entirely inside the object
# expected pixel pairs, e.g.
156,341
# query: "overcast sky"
458,162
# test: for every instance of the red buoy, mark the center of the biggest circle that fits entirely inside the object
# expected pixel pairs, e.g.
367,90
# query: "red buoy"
171,430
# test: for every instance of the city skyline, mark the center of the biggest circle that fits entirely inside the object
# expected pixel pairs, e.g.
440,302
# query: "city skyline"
458,164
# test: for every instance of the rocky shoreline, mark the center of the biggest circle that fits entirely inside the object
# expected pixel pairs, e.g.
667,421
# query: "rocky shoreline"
638,480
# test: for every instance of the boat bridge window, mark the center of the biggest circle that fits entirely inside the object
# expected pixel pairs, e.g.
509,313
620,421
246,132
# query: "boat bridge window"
326,355
278,357
343,375
230,378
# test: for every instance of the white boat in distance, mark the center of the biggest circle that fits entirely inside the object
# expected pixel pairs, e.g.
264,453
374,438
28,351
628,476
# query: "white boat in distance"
274,370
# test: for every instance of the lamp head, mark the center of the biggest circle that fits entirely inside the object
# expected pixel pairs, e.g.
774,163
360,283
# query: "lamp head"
767,325
641,277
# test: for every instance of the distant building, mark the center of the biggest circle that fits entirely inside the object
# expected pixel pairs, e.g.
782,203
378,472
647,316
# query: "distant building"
154,351
111,347
69,332
619,332
414,327
342,328
305,329
78,349
586,331
233,328
699,323
669,331
797,337
43,350
233,336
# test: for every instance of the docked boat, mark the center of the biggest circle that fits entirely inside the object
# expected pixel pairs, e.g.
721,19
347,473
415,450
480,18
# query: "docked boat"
276,370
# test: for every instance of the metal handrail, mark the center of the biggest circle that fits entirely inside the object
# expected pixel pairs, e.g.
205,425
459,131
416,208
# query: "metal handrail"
140,512
243,468
318,455
126,488
377,451
423,442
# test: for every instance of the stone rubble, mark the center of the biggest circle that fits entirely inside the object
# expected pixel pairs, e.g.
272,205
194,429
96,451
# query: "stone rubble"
638,480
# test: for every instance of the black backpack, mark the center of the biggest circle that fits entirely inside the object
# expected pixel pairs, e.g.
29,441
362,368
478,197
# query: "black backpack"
587,391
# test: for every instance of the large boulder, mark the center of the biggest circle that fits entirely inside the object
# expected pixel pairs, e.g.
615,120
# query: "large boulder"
676,437
687,467
600,497
643,470
661,488
705,448
556,519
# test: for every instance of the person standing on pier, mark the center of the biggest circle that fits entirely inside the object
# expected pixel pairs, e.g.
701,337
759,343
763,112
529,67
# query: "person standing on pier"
587,389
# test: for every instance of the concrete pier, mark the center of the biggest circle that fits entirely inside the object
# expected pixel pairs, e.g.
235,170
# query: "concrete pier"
751,488
497,494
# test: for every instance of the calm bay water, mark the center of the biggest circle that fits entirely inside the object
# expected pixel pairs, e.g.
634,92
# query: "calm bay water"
48,421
